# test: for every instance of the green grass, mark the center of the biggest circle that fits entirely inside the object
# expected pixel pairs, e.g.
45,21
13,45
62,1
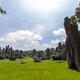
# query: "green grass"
46,70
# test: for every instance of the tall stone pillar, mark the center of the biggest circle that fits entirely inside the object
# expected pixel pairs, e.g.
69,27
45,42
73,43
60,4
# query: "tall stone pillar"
72,43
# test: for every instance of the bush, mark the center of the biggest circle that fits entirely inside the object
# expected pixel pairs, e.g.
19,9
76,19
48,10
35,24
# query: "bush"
7,57
57,58
37,59
1,58
45,58
12,59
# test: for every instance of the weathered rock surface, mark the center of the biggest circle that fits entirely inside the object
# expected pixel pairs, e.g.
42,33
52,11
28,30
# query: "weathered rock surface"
72,44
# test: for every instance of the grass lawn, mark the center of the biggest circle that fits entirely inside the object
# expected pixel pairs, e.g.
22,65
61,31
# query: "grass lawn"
46,70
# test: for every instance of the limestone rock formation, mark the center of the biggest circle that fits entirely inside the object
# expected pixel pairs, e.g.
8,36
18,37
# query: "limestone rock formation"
72,43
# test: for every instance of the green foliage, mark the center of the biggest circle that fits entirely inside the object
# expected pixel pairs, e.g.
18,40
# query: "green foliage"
76,17
28,53
36,59
77,13
52,51
44,58
9,53
57,55
2,11
73,20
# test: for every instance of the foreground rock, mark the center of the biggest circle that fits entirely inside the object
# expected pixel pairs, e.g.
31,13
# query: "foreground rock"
72,43
22,62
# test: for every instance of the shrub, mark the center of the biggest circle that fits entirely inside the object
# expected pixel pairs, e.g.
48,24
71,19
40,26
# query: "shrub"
45,58
12,59
59,57
7,57
37,59
1,58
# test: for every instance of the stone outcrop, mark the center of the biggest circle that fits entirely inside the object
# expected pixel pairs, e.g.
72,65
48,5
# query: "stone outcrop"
72,43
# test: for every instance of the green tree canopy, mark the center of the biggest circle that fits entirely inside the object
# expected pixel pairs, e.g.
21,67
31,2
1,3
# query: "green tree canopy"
77,14
2,11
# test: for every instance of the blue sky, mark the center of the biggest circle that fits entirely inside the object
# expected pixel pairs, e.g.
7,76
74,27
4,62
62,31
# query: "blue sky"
35,24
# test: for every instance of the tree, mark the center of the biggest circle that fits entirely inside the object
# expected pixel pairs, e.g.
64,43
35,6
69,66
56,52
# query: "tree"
48,53
2,11
77,14
34,52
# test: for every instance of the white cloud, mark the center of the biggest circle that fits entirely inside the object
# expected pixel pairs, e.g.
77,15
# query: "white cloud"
21,35
54,43
30,45
31,40
39,28
64,40
59,32
45,46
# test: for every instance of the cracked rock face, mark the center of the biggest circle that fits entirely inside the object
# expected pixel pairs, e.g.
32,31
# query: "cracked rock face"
72,44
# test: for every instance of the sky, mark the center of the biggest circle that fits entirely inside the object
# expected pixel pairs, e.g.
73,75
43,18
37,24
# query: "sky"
34,24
